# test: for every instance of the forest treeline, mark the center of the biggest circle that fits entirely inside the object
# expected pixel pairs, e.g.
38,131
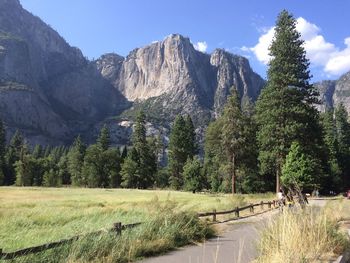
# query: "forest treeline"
281,140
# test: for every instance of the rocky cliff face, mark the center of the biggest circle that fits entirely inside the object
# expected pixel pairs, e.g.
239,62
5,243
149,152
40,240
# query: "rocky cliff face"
334,92
171,77
232,70
61,87
326,89
51,92
342,91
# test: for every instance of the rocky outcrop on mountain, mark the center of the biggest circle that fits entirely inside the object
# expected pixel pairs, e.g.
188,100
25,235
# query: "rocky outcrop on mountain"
342,92
326,90
334,93
51,92
170,77
60,84
234,71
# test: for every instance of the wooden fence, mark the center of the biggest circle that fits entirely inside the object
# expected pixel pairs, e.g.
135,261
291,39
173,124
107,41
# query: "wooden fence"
236,210
119,227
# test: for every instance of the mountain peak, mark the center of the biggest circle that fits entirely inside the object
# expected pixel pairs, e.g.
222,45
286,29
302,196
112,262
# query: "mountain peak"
177,36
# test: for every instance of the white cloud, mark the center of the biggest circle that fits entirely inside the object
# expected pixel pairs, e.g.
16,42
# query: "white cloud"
321,53
201,46
261,49
339,63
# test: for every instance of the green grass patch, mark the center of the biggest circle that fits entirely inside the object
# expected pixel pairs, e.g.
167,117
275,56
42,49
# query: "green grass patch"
34,216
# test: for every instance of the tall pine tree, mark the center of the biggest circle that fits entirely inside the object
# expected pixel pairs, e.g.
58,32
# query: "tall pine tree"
232,134
12,156
343,138
75,162
140,166
103,139
182,145
285,111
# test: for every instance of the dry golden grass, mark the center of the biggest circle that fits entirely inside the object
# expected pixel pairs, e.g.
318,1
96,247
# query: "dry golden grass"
310,235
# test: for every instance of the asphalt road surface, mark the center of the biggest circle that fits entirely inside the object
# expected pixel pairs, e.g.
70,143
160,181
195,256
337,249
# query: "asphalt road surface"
236,244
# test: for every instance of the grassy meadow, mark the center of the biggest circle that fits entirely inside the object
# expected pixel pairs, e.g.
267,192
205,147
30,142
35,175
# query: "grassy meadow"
33,216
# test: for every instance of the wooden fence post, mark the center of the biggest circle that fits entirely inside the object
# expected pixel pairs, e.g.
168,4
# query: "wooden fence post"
269,204
262,205
214,215
237,211
251,208
118,228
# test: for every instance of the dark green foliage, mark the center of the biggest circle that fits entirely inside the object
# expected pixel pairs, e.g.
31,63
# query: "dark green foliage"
130,170
11,157
191,147
300,169
52,178
75,162
331,180
343,138
92,168
102,168
111,167
47,151
177,152
182,145
213,155
140,166
230,149
63,170
124,153
232,138
2,152
286,103
23,168
161,179
38,151
103,139
192,173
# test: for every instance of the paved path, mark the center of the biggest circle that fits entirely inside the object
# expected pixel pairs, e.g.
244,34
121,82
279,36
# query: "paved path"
236,244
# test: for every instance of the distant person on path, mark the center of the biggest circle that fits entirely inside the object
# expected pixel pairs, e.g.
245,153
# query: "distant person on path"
280,199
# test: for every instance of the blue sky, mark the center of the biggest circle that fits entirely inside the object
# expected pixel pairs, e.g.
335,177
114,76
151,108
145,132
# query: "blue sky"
242,27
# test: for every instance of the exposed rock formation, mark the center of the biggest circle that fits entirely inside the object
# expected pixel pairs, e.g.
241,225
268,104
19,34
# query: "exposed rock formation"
326,89
51,92
171,77
61,87
342,92
334,92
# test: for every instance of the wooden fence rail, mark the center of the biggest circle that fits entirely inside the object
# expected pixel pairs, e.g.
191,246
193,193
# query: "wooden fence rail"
236,210
118,227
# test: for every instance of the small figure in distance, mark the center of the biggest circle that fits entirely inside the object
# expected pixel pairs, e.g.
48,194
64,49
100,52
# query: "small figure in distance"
280,199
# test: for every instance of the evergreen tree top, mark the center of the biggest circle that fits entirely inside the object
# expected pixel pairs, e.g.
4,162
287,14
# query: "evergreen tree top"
288,67
17,140
103,139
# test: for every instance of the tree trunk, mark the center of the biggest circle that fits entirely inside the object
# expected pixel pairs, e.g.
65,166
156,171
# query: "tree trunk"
233,179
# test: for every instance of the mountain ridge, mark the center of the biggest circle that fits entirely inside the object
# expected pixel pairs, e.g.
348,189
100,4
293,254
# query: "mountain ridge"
52,93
